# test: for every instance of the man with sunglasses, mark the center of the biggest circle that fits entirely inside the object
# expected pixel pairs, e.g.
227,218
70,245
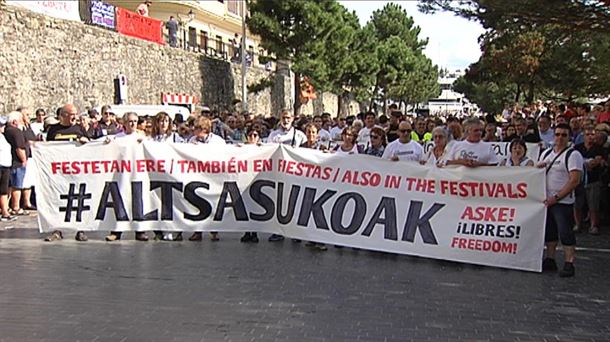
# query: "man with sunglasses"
564,167
472,151
404,148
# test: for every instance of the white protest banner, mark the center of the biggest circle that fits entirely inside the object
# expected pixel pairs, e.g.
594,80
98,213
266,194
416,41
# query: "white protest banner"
59,9
490,216
502,149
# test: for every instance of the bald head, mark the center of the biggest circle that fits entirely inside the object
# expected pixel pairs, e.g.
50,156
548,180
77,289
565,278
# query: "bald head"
67,115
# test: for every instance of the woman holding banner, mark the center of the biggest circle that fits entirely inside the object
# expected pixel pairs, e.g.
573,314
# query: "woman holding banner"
437,152
202,134
253,137
348,145
311,132
162,131
377,142
517,155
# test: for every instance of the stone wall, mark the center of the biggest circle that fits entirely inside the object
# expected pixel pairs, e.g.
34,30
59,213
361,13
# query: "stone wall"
46,62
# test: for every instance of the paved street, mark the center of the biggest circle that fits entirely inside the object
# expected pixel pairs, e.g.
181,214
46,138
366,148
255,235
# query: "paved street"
228,291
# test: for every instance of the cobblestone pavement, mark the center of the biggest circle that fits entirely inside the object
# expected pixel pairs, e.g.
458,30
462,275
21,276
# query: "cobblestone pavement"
229,291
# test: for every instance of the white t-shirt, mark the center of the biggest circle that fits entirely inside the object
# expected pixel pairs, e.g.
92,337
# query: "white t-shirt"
210,139
335,133
482,152
354,150
364,136
37,128
6,158
411,151
558,175
324,137
292,137
135,136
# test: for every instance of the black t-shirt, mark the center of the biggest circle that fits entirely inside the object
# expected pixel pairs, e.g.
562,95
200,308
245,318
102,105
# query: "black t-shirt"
594,151
29,136
58,132
392,133
16,139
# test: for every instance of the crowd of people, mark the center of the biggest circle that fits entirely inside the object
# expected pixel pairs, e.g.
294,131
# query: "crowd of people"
574,140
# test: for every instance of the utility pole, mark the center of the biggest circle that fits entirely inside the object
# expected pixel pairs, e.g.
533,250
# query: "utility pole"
244,68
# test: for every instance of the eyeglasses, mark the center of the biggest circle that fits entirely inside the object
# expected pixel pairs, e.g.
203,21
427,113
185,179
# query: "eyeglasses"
253,134
438,136
561,134
405,130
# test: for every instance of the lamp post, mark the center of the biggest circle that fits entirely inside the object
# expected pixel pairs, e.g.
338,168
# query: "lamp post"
184,21
244,67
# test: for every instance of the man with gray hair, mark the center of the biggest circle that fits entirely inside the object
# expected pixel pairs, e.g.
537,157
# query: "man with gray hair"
16,138
472,152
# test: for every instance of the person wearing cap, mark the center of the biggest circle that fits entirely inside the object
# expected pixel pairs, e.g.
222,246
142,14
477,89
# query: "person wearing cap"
6,161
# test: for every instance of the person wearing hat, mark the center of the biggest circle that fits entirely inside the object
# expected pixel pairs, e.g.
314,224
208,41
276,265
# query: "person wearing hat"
108,124
6,160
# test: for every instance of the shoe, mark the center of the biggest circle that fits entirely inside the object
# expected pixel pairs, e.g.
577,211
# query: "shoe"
178,237
594,230
158,236
80,236
141,236
246,238
214,236
30,208
8,218
321,247
576,228
310,244
276,238
549,264
55,235
567,271
338,246
112,237
254,238
296,240
197,236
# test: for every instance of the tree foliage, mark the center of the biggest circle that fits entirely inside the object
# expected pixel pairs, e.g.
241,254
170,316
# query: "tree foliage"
532,50
326,44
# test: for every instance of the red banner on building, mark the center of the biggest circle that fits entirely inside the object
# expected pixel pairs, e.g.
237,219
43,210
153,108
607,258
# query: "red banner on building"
135,25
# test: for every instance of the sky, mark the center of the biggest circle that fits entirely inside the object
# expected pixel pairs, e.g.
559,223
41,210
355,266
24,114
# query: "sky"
452,41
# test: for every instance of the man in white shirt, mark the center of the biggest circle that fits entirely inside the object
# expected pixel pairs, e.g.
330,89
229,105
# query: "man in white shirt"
286,133
404,148
336,131
472,152
564,167
364,134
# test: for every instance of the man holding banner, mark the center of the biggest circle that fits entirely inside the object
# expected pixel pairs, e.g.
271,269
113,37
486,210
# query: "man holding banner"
472,152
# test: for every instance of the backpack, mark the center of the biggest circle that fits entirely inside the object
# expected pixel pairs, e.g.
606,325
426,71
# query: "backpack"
568,152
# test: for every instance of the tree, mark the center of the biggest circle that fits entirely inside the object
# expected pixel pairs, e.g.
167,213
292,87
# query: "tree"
565,15
399,52
297,31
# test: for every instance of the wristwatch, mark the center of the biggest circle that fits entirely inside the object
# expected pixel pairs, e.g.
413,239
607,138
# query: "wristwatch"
556,197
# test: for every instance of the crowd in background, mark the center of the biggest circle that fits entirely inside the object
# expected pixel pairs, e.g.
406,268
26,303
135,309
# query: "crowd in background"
393,136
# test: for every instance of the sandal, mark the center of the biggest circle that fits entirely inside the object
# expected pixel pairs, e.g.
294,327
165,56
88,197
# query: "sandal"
19,212
197,236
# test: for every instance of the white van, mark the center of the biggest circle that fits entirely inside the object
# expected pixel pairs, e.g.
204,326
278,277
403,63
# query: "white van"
148,110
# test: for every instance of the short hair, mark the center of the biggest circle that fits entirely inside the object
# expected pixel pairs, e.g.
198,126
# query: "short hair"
203,123
128,114
468,123
14,116
518,141
564,126
441,130
352,132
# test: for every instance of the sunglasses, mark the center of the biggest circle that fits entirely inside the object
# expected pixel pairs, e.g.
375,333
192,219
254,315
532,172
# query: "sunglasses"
253,134
561,134
405,130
